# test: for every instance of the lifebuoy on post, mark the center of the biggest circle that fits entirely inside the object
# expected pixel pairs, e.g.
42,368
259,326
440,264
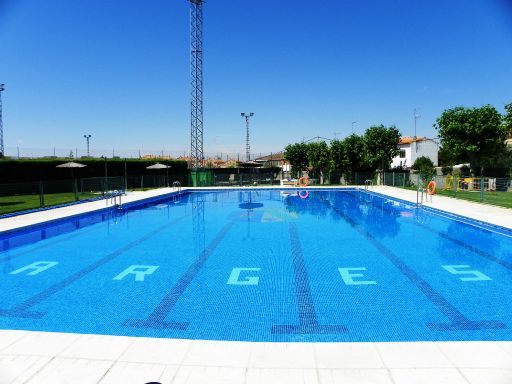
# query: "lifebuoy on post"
303,181
431,188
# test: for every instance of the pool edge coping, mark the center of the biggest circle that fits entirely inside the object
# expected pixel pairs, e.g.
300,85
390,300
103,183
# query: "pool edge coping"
165,193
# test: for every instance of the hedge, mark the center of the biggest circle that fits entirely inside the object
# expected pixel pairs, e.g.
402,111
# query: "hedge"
30,170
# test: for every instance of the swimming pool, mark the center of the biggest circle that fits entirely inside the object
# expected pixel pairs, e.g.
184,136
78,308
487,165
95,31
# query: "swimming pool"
262,265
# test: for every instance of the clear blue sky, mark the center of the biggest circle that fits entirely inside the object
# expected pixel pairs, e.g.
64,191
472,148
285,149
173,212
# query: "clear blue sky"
119,70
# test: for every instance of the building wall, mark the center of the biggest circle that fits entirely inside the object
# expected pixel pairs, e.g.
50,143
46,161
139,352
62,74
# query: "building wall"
428,148
402,161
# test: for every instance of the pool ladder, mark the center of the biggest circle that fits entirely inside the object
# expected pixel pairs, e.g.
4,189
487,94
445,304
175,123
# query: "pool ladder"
422,191
114,197
367,184
176,186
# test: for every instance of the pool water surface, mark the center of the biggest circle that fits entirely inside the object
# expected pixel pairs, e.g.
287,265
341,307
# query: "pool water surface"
262,265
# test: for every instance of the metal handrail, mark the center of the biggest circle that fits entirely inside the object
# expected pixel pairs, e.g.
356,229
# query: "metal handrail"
112,198
367,184
419,193
177,185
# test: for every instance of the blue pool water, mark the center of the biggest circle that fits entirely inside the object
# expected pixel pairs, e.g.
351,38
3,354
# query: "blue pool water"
262,265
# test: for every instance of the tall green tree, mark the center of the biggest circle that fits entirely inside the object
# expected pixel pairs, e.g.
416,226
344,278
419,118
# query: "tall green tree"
507,119
337,152
475,135
319,158
381,145
347,156
297,155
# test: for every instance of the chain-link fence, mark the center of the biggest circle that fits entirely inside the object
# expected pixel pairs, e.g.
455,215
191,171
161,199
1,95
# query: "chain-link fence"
16,197
491,190
245,177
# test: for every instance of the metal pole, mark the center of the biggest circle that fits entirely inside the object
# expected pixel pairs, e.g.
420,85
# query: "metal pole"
416,117
87,137
41,193
481,188
2,153
196,84
247,117
125,175
106,174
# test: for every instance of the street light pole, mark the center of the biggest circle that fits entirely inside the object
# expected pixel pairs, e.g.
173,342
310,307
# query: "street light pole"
247,141
87,137
354,122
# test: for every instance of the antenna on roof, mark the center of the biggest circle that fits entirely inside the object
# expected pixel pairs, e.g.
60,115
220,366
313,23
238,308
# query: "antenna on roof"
416,117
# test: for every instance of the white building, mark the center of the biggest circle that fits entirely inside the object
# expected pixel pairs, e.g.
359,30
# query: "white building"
411,148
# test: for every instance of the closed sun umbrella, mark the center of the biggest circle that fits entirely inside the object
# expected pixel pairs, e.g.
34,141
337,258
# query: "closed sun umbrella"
72,165
161,166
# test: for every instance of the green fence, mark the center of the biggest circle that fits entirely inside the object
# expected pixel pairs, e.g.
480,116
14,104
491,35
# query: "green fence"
490,190
201,178
16,197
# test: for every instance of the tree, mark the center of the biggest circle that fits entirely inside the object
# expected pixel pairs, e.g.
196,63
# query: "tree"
347,156
425,167
381,145
475,135
318,157
337,152
297,155
507,119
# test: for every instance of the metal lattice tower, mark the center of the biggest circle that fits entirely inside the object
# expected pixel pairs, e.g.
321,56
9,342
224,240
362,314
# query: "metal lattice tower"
196,84
2,152
247,137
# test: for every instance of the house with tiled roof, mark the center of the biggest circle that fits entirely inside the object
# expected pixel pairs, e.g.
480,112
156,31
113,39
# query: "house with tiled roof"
275,160
413,147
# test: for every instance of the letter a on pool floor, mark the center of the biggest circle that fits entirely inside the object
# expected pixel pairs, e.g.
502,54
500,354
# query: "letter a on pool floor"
138,270
36,268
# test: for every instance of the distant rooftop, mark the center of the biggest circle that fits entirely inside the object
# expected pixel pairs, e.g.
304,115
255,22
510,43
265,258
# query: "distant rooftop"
409,140
274,156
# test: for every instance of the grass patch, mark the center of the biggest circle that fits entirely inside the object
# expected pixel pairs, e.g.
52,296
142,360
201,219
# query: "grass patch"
9,204
503,199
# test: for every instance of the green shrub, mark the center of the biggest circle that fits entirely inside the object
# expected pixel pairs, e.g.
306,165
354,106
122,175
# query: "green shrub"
425,167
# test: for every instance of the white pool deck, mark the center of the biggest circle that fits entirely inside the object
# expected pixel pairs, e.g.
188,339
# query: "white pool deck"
44,357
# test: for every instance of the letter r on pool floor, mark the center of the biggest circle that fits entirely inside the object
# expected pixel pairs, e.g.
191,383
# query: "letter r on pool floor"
138,270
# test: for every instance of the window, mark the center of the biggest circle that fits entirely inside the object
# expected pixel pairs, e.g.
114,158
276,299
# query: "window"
402,153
